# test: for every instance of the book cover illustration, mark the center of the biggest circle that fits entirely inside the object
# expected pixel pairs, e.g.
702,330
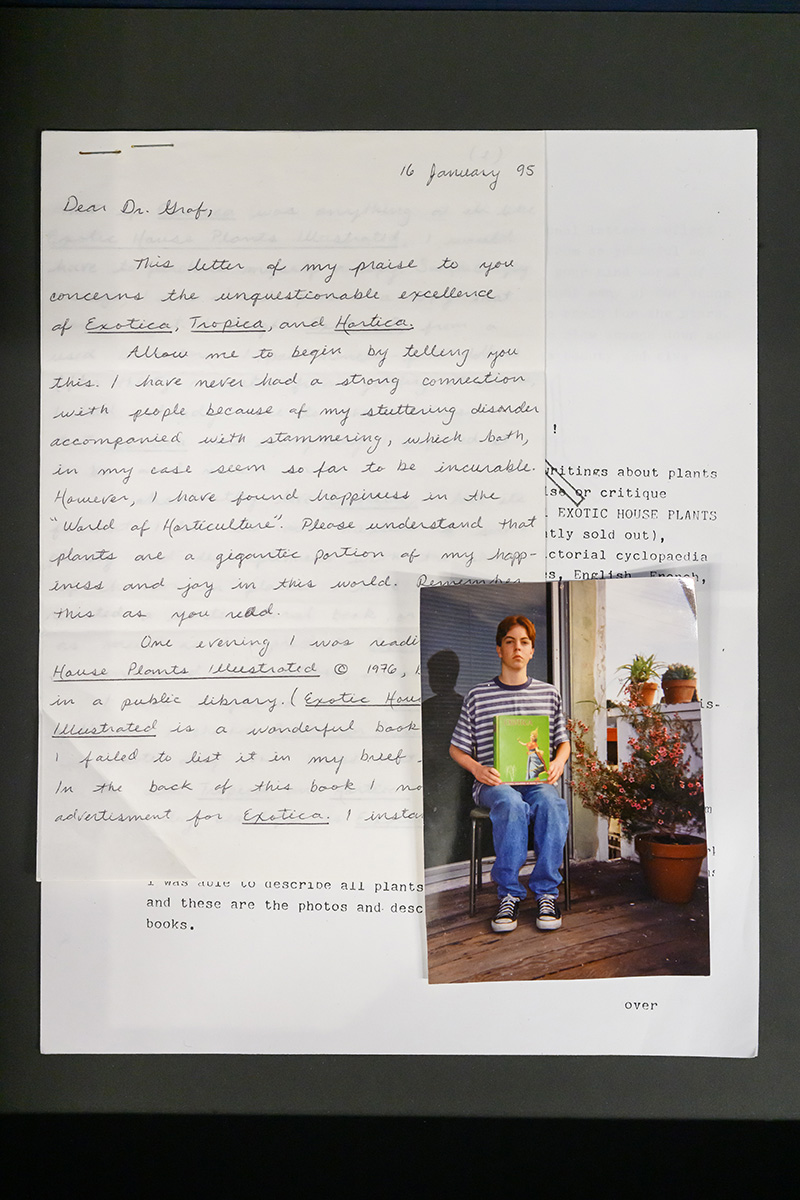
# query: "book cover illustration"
522,748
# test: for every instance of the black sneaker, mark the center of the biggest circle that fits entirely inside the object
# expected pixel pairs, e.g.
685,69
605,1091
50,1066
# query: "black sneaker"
506,918
549,916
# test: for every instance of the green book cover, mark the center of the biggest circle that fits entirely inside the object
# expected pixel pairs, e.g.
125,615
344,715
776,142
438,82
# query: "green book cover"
522,748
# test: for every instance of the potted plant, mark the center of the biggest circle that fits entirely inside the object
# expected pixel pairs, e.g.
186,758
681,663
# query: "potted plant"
655,797
679,683
640,684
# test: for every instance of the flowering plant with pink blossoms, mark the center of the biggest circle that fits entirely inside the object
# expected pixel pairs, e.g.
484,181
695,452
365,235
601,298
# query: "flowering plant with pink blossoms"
654,792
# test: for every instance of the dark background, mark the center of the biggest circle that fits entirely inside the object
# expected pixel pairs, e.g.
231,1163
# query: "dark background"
465,619
130,68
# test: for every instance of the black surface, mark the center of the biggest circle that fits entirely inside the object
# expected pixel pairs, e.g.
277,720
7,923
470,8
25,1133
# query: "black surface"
128,68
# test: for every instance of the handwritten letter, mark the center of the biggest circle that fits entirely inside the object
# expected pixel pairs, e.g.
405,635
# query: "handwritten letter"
651,351
287,380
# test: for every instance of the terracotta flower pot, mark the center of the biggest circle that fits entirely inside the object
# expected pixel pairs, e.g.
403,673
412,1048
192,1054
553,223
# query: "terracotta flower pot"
643,693
671,868
678,691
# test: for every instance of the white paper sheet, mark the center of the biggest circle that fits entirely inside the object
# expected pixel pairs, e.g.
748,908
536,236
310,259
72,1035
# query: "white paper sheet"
651,358
287,379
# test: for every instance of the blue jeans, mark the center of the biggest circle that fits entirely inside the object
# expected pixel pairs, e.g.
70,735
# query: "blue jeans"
512,810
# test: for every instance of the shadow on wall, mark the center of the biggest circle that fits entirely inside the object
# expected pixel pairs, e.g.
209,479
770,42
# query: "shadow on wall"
447,788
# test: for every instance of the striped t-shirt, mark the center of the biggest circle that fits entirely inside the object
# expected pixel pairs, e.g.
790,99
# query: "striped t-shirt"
474,731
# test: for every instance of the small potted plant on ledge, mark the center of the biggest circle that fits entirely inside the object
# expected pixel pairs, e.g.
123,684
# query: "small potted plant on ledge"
679,683
640,683
655,797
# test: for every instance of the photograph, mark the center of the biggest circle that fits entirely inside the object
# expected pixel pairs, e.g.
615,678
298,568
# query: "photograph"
564,807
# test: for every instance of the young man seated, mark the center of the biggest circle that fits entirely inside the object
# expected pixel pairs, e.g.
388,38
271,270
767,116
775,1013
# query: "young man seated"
514,808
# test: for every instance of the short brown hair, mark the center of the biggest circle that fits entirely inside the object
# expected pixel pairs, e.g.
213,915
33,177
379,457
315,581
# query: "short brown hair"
509,623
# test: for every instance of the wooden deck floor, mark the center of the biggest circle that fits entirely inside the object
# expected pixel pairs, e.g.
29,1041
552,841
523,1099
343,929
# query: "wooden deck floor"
614,929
